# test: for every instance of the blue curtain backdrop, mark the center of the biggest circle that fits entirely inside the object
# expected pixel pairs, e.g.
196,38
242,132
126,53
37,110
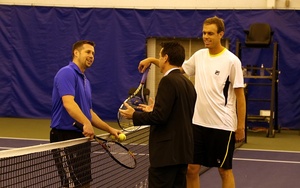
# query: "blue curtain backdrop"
36,42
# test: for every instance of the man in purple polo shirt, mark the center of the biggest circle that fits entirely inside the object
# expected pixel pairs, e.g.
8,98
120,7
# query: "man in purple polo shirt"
72,102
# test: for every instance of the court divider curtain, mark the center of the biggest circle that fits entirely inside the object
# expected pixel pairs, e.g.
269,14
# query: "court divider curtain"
37,41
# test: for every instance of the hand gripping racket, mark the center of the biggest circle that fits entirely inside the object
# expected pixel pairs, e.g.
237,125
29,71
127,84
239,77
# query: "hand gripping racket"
116,151
133,100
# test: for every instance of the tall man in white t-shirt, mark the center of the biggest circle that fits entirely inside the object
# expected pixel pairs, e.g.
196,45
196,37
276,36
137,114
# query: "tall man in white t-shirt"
220,107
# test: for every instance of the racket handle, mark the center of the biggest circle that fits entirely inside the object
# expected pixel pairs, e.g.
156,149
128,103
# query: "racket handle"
145,75
78,126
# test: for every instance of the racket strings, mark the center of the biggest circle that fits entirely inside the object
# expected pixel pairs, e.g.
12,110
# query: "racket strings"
127,124
134,101
121,154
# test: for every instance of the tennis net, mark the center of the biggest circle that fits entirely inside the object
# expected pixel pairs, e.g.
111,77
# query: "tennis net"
36,166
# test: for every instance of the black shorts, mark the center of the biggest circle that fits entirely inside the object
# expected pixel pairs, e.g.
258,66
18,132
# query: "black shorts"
74,162
213,147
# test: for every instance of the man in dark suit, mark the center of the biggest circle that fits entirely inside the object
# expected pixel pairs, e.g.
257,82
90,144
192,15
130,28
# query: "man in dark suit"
171,129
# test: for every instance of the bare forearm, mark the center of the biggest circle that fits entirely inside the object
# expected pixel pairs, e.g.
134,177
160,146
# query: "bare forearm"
99,123
241,113
154,61
241,119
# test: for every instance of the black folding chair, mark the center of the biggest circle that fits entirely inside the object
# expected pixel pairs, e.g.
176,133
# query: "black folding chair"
259,35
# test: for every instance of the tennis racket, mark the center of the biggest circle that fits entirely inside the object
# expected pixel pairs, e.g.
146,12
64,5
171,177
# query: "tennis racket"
133,100
116,151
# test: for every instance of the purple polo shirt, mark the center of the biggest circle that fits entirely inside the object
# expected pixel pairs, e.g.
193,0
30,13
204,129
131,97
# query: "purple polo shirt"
69,80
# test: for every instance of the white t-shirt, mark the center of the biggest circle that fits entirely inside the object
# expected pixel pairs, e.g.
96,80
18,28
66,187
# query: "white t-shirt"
213,109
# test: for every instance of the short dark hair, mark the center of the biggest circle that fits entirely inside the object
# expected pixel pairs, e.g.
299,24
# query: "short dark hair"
219,22
175,51
77,45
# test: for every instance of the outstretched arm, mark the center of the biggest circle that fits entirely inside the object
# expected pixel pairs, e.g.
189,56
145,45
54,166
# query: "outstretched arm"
147,62
100,124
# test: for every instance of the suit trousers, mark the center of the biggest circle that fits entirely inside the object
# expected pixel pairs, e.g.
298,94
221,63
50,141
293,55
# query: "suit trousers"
168,176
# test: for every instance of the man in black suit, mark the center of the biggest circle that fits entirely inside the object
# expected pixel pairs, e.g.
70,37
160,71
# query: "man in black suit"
171,129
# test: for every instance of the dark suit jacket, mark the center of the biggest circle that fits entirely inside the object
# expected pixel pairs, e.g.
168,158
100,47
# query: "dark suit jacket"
171,132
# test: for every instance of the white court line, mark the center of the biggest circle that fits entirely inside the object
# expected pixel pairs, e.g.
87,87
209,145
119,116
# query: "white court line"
5,148
269,161
135,154
142,154
33,139
264,150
